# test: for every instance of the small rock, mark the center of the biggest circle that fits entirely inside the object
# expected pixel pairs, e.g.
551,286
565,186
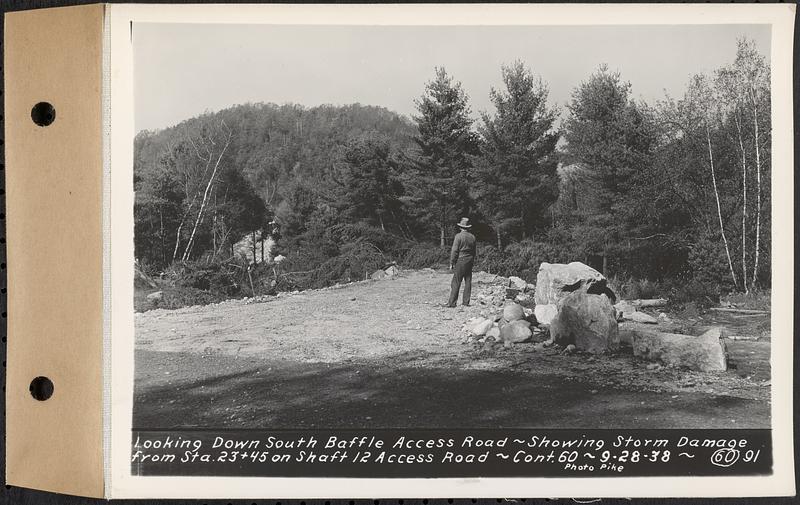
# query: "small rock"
625,308
517,283
653,366
640,317
570,349
378,274
516,332
158,295
494,332
480,327
513,312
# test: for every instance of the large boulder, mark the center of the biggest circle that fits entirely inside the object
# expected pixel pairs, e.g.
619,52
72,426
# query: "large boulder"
706,353
516,332
556,280
545,313
586,320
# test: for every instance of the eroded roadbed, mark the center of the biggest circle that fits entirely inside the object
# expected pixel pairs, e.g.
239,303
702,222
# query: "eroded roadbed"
183,390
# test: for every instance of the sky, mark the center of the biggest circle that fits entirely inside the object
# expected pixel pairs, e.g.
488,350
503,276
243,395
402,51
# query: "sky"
182,70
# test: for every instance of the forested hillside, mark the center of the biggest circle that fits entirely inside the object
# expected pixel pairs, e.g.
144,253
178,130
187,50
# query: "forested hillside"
668,196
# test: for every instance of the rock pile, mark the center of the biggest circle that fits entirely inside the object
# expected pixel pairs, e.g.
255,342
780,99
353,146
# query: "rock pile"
576,305
390,271
500,289
513,325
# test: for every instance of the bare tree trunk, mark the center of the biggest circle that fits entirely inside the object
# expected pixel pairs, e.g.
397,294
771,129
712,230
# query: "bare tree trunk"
161,233
758,186
214,228
380,218
180,228
744,202
499,244
719,209
605,264
189,245
254,246
441,236
177,241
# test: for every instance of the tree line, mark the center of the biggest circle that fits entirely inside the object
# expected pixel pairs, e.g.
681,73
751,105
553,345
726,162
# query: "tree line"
677,189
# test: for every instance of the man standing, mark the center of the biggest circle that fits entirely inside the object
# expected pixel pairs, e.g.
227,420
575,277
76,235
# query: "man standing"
462,255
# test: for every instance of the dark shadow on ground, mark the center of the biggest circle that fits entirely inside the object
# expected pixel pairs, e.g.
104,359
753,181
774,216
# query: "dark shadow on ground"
184,390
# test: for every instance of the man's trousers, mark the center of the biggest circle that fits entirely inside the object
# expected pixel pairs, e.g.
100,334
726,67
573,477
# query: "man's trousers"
462,271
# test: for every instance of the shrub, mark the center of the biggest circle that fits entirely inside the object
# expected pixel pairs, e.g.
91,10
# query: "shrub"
708,266
754,300
422,255
520,258
631,289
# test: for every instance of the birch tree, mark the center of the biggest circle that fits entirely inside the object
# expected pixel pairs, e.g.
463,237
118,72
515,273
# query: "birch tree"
209,152
701,97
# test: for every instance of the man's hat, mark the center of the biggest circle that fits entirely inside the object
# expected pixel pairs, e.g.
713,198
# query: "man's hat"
464,223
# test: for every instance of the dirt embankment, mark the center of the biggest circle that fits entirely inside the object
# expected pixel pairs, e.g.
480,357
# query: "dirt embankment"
387,353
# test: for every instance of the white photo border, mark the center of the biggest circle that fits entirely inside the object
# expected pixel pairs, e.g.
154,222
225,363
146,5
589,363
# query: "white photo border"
120,253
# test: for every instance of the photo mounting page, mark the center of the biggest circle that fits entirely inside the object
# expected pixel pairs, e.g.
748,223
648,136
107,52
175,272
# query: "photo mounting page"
450,250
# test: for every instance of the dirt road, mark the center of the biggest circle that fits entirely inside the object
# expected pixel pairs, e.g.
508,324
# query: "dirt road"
388,354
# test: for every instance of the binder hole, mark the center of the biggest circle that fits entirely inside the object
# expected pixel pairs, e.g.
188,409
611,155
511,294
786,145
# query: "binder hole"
43,114
41,388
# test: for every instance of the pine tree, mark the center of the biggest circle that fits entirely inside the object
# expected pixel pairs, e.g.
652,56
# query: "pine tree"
612,138
439,172
516,172
370,187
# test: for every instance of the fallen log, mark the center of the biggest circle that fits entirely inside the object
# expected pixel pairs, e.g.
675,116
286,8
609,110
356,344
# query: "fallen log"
653,302
743,337
706,353
739,311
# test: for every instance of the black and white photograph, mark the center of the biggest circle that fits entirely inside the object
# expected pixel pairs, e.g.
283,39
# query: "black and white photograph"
422,227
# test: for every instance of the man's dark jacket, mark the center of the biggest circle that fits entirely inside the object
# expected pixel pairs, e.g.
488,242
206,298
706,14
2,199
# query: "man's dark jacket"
463,247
